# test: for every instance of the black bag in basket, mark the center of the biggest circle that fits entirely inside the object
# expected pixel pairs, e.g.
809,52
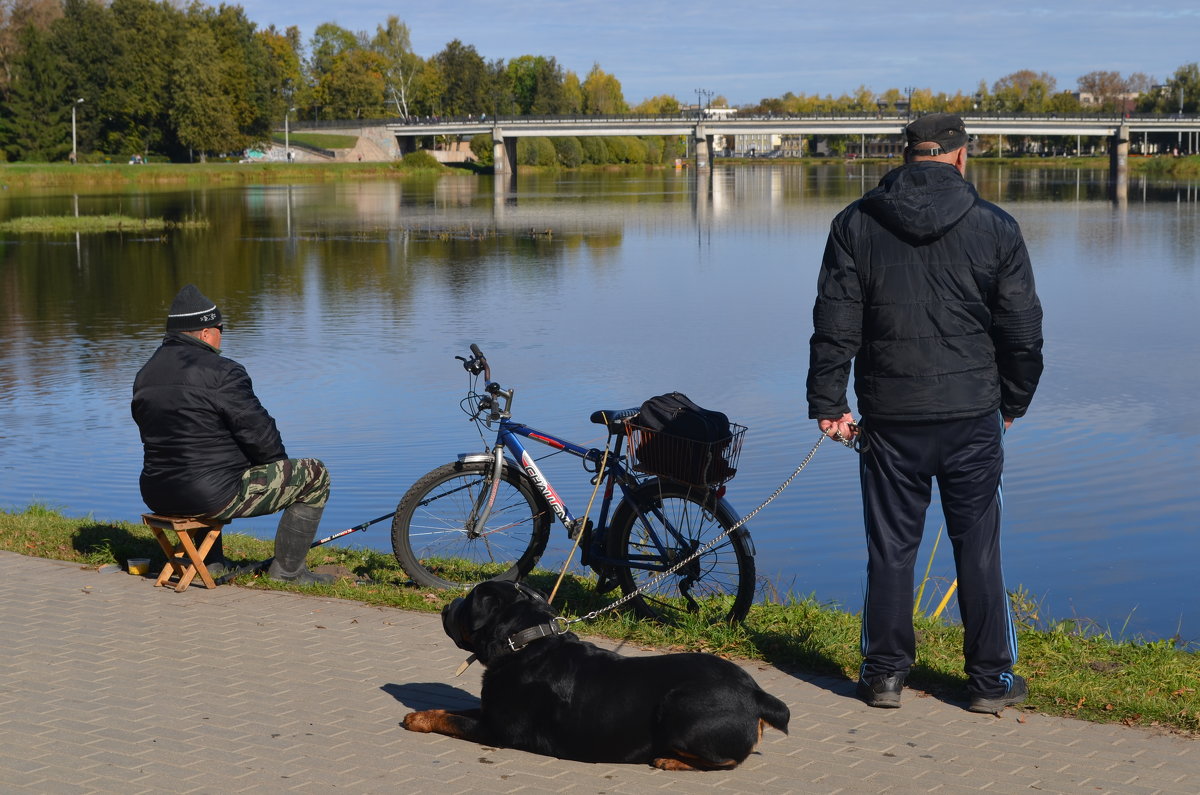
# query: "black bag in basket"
682,441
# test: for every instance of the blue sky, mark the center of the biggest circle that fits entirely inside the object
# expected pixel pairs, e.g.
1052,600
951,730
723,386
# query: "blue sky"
745,51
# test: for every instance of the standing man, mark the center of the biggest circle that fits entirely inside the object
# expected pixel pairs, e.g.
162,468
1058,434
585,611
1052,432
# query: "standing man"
212,450
929,290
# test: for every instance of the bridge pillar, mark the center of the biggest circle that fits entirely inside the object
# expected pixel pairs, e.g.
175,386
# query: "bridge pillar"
504,153
704,146
1118,162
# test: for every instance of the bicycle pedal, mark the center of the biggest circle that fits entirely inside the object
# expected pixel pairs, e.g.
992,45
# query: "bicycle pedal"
578,526
605,583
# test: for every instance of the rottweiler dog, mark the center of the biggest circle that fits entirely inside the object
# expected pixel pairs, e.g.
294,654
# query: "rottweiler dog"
548,692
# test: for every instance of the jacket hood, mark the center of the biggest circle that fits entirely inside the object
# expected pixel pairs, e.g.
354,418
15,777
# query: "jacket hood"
920,202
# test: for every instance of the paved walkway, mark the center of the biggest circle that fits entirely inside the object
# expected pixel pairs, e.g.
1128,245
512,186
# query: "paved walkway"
108,684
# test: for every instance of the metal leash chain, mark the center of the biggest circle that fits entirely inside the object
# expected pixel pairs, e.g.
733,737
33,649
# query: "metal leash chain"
721,536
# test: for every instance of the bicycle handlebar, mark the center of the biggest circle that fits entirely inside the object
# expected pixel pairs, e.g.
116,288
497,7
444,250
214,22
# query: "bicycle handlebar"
477,364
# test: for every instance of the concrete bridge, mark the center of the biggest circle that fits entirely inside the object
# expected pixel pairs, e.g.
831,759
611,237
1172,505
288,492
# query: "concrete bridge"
505,131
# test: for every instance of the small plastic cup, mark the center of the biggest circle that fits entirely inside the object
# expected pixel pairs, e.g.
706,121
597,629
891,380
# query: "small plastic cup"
139,566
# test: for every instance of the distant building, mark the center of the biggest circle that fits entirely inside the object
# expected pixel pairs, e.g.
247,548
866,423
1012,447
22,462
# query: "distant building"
1125,102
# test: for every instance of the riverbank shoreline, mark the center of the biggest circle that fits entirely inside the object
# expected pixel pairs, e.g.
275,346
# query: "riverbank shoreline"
120,175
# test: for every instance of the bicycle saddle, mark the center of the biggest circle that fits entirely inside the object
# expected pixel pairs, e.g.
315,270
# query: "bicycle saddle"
613,419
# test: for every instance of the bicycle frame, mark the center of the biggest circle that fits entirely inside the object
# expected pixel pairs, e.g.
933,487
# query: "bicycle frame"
508,437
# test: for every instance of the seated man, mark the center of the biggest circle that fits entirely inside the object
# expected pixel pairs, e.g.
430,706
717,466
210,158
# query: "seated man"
212,450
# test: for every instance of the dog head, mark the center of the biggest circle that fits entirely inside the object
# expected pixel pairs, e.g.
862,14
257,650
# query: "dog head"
483,621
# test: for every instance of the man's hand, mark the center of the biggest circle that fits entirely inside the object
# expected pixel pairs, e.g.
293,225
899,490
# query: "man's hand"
1008,421
841,429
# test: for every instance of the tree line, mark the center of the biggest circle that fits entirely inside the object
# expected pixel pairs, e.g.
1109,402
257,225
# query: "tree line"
129,77
1025,91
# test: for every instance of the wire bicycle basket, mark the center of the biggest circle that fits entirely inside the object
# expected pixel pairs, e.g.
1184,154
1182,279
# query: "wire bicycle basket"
684,460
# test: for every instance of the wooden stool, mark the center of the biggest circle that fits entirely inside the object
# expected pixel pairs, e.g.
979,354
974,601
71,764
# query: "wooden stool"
184,558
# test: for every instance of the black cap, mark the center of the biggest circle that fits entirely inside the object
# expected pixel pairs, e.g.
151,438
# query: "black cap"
944,129
191,311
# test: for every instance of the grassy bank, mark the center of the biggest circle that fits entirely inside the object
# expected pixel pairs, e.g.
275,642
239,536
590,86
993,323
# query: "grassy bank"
109,176
56,175
67,224
1070,672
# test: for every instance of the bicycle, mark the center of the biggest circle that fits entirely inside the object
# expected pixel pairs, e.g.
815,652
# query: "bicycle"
488,515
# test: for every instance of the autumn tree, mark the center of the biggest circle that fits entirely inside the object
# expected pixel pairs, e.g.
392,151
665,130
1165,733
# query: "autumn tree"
1108,90
468,86
573,92
147,41
1181,91
35,122
537,85
1025,91
661,105
401,66
247,80
202,113
602,94
284,70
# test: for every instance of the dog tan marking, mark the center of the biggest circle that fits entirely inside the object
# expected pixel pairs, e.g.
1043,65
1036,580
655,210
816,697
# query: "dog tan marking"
452,724
685,761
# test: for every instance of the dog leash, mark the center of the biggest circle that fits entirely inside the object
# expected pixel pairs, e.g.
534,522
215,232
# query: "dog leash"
720,537
560,625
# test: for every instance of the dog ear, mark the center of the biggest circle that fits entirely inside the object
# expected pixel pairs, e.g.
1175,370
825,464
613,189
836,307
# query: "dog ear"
485,601
530,591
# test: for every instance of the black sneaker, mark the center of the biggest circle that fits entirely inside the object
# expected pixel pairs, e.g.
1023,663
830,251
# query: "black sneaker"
1017,691
881,691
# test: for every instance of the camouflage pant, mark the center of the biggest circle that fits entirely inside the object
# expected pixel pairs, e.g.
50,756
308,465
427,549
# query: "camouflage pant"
270,488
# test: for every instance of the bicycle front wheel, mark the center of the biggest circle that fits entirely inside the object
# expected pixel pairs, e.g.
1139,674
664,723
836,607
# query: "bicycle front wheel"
664,522
434,545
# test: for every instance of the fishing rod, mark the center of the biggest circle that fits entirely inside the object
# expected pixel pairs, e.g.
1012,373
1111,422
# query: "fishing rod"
263,564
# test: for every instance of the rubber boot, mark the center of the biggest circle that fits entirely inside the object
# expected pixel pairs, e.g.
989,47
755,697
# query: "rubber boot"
215,560
297,529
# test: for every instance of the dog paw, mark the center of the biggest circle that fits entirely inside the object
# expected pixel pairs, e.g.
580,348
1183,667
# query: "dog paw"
422,721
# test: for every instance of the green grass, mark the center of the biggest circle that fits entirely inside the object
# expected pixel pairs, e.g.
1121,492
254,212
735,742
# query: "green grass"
140,177
1073,669
90,224
318,140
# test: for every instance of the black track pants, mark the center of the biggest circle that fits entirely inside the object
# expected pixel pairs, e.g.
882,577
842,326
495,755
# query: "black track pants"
897,468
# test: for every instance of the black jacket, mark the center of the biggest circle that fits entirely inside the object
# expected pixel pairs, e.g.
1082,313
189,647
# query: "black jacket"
201,427
929,289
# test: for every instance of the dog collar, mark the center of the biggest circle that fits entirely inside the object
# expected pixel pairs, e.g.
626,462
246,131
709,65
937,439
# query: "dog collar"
557,626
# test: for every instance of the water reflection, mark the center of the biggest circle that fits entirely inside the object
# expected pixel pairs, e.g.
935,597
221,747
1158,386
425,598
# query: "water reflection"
347,302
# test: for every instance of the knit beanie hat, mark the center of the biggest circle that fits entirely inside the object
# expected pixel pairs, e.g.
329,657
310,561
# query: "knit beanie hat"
191,311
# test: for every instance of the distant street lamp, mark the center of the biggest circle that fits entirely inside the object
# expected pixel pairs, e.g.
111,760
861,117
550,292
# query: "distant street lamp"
1162,89
74,145
287,146
909,91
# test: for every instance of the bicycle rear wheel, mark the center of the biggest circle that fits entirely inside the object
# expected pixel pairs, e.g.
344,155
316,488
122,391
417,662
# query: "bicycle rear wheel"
431,541
669,523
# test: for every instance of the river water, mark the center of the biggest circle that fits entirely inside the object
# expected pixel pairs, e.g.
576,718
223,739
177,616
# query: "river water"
348,301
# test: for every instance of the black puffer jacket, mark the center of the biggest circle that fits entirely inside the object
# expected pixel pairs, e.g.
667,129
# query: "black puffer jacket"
201,425
929,290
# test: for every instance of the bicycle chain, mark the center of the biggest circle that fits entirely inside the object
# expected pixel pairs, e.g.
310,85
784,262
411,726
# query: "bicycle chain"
722,535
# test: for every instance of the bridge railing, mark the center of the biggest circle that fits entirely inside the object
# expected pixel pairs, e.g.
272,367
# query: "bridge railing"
600,119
